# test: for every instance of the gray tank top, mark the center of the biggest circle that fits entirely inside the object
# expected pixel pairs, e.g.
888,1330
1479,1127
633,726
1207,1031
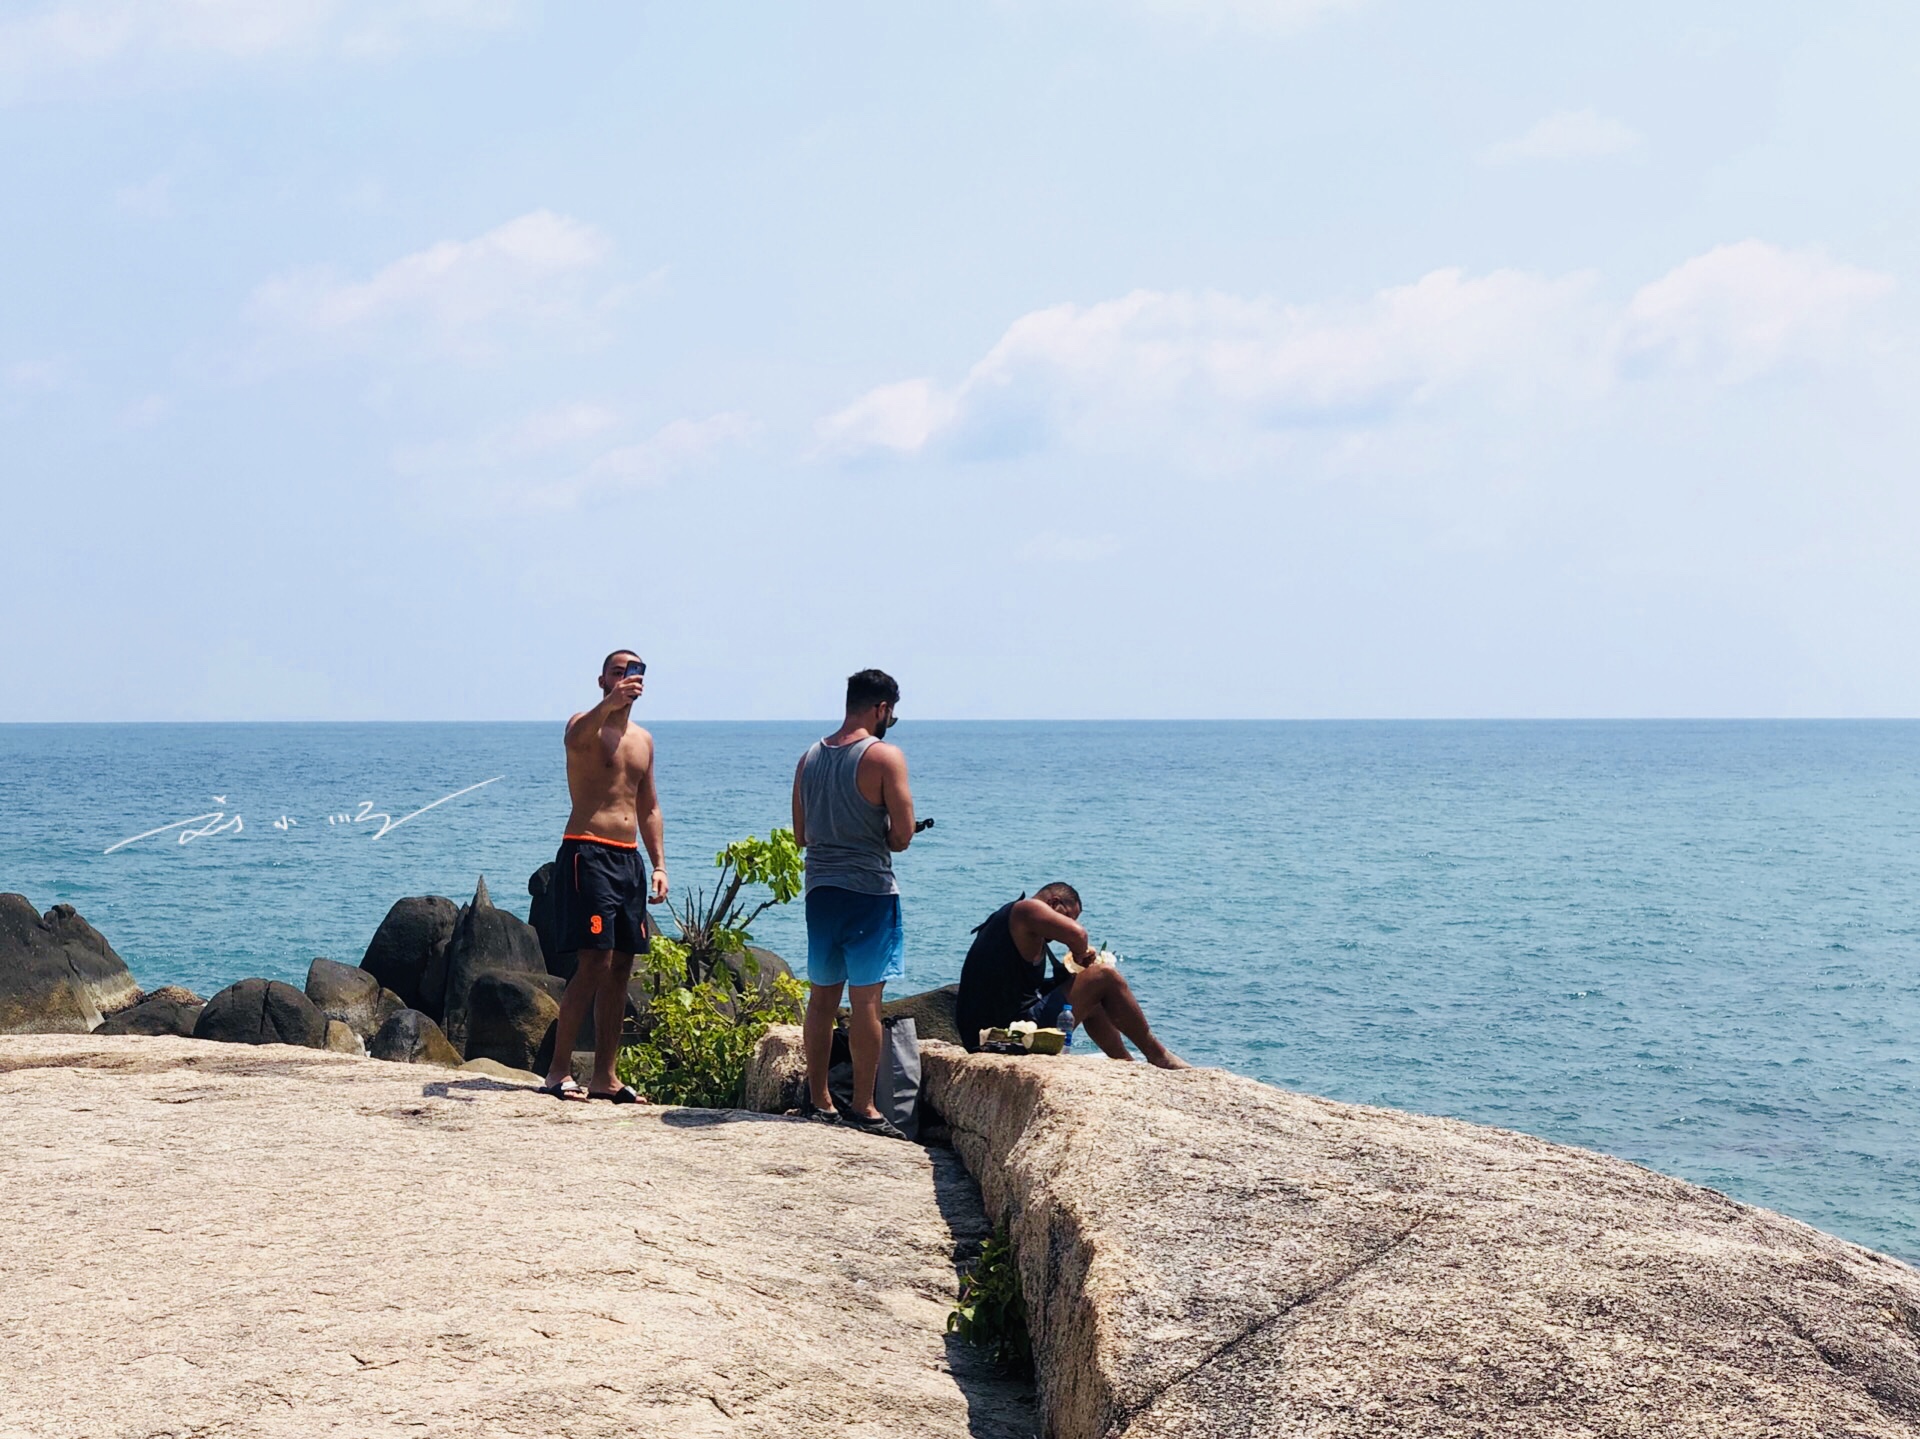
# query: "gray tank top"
846,836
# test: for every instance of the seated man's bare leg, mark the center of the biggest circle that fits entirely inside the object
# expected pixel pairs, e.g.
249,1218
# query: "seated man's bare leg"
609,1013
590,968
823,1008
1097,1027
1104,992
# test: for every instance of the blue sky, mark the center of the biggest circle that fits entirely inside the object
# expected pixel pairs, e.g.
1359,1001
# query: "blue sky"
1135,358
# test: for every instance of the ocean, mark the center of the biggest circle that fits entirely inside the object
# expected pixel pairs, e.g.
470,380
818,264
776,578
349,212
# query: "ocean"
1691,944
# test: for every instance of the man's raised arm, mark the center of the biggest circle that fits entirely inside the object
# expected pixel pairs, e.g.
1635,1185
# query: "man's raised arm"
586,725
897,797
1043,922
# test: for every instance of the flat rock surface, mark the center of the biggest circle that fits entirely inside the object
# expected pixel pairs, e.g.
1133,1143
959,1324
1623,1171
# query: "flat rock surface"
1211,1258
207,1239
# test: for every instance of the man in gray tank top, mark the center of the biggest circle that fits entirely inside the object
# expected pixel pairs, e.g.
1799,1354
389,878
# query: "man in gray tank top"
852,812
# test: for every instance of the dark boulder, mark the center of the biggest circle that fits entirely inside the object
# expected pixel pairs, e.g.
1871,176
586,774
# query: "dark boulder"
410,1037
346,993
749,971
262,1011
408,950
58,974
755,965
544,915
161,1012
342,1040
932,1013
508,1016
485,939
389,1005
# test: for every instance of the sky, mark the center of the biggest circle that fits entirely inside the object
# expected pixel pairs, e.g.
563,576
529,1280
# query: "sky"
1065,358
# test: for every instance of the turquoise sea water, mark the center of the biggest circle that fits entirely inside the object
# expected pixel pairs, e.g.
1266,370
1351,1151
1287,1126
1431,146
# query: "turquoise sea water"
1691,944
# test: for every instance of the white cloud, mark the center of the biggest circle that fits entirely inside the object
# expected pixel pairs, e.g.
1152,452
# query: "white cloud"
41,375
1211,376
558,428
1739,310
899,416
62,37
1566,135
672,449
449,297
150,199
555,458
145,412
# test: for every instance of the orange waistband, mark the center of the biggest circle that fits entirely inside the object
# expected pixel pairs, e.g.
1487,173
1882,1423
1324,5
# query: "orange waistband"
610,843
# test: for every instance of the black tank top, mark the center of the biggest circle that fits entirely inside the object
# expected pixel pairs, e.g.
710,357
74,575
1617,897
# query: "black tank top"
996,983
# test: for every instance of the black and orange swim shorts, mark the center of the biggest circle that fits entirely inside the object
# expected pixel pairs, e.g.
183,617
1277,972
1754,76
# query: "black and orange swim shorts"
600,893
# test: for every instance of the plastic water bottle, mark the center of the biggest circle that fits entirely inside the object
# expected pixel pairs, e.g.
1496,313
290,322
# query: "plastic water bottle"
1066,1024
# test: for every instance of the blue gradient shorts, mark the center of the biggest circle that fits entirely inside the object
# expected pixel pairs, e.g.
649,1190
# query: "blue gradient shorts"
854,938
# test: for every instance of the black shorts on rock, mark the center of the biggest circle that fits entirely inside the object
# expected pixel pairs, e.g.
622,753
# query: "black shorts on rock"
600,895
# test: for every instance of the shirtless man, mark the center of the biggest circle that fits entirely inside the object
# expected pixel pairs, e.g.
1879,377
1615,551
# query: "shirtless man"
1005,978
600,886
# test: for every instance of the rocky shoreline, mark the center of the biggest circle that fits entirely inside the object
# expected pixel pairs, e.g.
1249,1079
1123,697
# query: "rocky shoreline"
1201,1255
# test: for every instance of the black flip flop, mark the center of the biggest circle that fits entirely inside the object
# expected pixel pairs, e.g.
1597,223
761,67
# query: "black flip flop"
568,1088
879,1124
625,1094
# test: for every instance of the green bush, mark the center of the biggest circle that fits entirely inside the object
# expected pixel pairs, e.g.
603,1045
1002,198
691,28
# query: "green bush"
704,1025
703,1035
991,1312
715,924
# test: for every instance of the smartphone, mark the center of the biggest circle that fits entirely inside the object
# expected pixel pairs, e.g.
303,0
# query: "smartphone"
635,667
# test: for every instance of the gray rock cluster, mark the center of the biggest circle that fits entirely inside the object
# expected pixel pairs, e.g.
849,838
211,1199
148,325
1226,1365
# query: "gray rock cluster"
439,984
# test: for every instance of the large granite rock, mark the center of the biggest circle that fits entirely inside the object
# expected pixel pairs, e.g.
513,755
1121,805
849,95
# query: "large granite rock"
342,1040
410,947
233,1243
777,1074
410,1037
168,1010
349,994
58,974
262,1011
485,939
508,1016
1207,1256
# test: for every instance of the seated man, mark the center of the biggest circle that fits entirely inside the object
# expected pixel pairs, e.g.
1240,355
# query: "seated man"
1005,978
